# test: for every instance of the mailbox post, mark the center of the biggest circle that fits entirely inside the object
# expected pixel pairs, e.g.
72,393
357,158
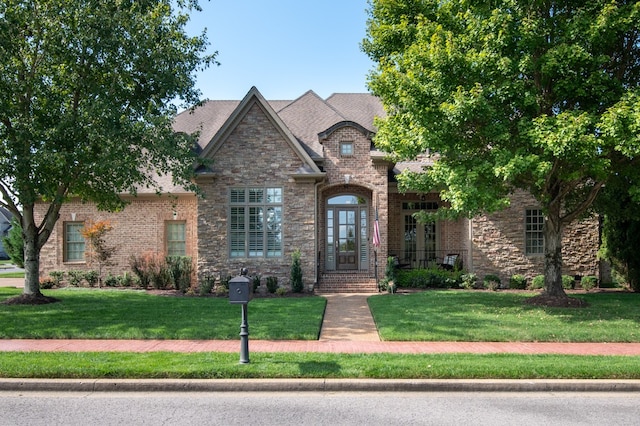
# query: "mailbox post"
240,293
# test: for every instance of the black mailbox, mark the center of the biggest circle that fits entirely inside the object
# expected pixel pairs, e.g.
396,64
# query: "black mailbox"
240,290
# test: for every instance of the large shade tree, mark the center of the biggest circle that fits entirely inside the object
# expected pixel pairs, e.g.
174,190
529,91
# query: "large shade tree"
88,90
537,95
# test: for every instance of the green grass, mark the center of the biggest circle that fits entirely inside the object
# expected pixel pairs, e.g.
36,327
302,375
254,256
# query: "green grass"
11,274
314,365
431,315
503,317
130,314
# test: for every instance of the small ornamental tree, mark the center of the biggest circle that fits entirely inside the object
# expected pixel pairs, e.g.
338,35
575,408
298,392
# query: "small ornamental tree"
296,272
100,252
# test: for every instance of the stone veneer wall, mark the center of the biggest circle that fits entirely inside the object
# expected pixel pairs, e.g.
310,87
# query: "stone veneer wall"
499,240
255,154
139,228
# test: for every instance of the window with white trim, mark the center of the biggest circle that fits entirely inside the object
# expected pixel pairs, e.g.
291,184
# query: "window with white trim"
255,222
534,232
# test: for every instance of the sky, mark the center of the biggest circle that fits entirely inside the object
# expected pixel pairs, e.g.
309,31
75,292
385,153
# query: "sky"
283,47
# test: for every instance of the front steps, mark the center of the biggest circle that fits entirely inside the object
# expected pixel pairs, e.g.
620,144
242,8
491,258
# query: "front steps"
352,282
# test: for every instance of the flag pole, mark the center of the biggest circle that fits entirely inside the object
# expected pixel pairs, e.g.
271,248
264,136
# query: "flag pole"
376,244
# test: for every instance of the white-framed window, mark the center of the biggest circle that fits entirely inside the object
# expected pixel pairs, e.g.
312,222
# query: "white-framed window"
534,232
255,222
176,238
346,149
74,243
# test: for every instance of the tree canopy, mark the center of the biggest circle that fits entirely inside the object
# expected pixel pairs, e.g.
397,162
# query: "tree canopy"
541,96
87,97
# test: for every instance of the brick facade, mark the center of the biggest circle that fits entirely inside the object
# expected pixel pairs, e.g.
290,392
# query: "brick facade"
256,154
139,228
255,148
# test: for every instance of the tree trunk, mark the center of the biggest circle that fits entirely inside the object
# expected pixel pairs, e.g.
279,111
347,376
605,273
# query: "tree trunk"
33,241
31,260
553,256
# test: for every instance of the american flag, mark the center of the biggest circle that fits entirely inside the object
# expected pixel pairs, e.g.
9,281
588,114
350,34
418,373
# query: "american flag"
376,232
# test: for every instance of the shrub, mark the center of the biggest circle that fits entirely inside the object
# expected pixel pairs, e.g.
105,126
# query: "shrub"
468,281
181,269
517,282
390,269
255,280
588,283
151,269
91,277
491,282
426,278
75,278
110,280
222,291
296,272
224,281
128,280
537,282
57,277
206,285
272,284
281,291
47,283
568,282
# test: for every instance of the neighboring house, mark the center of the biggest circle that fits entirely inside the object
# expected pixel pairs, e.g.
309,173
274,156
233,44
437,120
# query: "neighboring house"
5,226
304,174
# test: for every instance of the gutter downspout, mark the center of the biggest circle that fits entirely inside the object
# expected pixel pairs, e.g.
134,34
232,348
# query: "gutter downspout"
316,236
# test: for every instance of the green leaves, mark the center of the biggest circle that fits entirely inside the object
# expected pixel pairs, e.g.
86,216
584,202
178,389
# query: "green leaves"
87,91
509,94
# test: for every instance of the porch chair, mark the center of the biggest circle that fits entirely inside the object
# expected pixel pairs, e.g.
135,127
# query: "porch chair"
449,261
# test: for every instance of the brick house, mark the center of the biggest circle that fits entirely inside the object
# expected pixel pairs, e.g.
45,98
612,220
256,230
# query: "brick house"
304,174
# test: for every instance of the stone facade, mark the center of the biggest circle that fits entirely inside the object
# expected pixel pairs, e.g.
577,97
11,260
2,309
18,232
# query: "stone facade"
498,244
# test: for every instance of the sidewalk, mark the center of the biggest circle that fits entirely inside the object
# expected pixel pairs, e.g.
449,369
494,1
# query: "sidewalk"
348,327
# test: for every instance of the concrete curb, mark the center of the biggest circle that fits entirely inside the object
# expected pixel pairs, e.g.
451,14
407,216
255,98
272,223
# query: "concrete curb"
314,385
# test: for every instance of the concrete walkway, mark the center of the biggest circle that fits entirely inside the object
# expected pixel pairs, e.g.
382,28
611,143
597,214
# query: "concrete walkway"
347,318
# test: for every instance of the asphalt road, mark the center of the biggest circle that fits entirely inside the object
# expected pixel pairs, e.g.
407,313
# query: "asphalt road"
318,408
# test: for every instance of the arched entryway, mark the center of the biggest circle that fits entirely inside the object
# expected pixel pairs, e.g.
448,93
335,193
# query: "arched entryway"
346,233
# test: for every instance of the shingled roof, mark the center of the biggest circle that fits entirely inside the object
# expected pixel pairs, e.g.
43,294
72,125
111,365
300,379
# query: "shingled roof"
306,116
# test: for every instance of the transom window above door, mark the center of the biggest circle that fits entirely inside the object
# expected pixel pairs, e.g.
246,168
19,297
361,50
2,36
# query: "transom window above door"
346,200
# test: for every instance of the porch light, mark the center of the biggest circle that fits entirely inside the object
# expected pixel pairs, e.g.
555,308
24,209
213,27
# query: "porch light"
347,178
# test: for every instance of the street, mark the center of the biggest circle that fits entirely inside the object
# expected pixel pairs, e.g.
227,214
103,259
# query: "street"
318,408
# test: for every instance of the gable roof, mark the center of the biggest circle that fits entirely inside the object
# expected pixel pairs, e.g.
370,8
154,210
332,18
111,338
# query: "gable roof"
306,117
252,98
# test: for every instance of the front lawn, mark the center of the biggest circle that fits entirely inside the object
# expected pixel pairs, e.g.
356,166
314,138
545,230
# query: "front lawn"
216,365
131,314
476,316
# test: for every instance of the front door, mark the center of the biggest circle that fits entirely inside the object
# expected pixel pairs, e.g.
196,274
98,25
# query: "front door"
347,241
346,233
